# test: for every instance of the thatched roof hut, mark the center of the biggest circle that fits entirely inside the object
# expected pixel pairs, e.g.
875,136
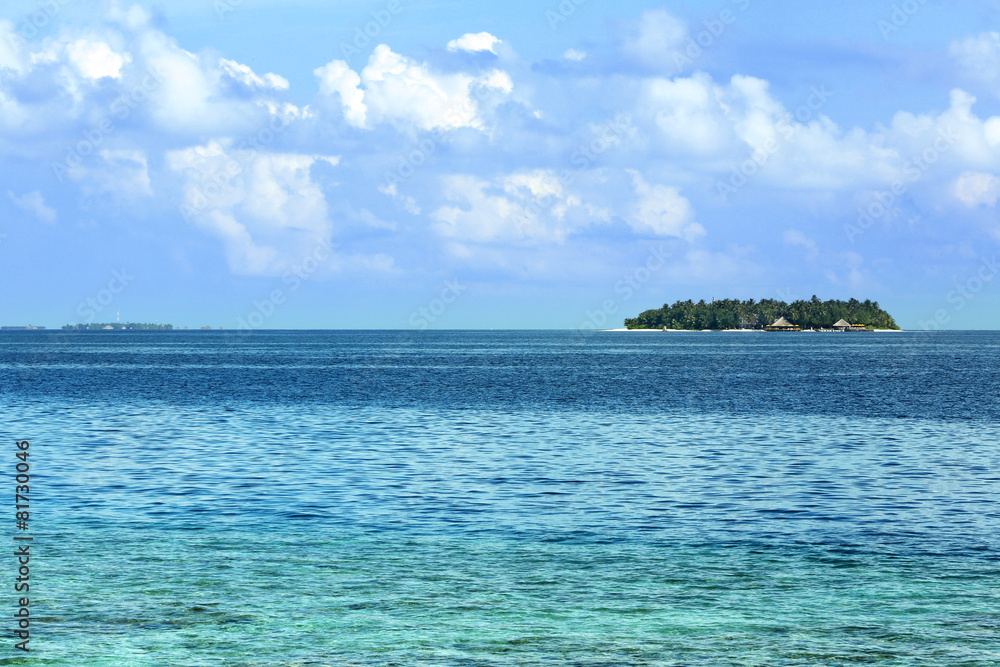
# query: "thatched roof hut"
781,324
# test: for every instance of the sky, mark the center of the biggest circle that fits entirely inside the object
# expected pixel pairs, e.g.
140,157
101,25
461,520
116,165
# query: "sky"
403,164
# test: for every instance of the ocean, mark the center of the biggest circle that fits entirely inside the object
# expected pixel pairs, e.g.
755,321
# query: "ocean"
477,498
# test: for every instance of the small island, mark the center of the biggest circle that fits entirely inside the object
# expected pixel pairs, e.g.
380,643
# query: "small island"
118,326
726,314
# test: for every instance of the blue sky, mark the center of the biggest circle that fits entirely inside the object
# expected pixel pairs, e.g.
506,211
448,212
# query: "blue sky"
483,165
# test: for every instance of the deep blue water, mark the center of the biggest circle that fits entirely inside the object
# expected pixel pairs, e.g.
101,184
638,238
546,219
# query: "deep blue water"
508,498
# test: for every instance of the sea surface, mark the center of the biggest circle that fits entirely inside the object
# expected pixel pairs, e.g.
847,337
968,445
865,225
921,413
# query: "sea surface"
505,498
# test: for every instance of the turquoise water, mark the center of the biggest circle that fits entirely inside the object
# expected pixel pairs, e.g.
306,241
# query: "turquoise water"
516,498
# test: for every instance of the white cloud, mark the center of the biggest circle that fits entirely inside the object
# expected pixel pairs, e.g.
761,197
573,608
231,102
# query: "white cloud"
979,56
481,217
716,129
662,211
266,208
658,41
690,118
193,94
851,271
689,131
794,237
186,97
250,79
97,60
33,203
11,47
338,78
123,173
963,141
520,207
49,87
133,18
538,184
397,89
409,203
975,188
12,114
482,41
536,207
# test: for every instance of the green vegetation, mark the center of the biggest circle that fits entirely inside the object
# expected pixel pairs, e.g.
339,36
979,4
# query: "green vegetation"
119,326
735,314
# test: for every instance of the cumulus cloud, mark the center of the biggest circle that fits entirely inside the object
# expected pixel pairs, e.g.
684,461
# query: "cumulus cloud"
662,211
393,88
690,117
481,216
265,207
198,95
720,129
657,41
97,60
250,79
529,206
337,78
33,203
504,184
481,41
56,85
975,188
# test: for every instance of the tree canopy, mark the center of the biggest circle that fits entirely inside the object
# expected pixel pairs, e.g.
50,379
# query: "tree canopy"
751,314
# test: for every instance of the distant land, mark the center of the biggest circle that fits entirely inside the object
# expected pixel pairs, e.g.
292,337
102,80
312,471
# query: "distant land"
118,326
26,328
736,314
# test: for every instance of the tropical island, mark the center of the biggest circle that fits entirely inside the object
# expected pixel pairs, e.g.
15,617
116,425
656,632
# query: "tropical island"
735,314
118,326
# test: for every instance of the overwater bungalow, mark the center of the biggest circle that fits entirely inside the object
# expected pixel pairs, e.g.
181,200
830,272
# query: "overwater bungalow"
781,324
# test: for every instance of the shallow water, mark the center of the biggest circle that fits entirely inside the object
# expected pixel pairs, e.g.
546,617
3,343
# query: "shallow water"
510,498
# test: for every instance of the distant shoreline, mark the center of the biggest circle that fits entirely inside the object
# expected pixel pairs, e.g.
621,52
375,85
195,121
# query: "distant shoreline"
737,331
